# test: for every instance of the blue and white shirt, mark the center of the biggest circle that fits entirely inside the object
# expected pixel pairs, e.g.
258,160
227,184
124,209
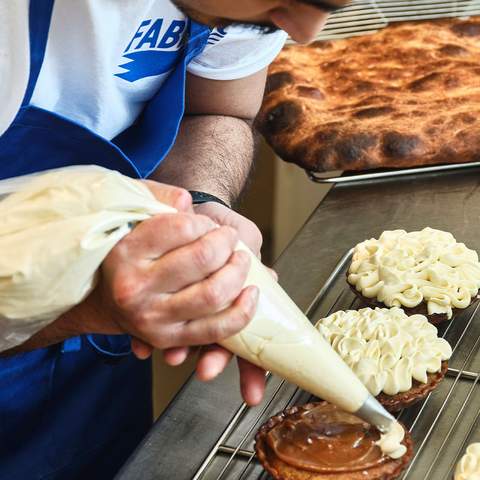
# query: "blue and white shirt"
106,58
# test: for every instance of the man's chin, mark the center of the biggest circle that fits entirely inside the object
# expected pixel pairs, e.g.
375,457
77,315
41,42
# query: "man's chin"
265,28
197,16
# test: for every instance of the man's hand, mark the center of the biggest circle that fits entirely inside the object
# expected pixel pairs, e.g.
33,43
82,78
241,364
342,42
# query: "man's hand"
214,359
177,281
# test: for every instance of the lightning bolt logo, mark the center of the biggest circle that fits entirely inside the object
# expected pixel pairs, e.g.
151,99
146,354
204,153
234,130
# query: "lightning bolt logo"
149,63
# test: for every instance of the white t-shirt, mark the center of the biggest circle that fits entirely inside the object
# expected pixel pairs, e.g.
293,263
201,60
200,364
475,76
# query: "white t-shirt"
106,58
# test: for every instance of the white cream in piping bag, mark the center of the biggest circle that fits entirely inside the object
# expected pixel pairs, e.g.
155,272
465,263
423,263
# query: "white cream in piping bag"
56,229
406,269
60,226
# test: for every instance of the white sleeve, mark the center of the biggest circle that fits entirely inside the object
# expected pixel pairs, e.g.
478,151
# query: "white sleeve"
237,52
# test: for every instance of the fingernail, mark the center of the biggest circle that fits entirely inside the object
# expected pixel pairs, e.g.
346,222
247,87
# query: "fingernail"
256,398
208,373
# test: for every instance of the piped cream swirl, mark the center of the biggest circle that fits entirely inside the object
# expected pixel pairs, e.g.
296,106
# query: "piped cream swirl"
390,443
406,269
385,348
468,468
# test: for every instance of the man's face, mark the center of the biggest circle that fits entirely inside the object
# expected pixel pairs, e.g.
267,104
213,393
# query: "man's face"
302,19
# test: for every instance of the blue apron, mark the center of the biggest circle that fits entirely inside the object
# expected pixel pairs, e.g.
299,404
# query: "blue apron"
78,409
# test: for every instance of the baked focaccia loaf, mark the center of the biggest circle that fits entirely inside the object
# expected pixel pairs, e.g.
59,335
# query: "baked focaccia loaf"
408,95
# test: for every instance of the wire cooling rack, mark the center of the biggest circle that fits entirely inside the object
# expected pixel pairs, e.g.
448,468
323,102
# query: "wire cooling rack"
368,16
442,426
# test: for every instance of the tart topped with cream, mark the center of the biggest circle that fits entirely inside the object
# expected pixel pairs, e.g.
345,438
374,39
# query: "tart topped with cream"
468,468
399,358
425,272
319,441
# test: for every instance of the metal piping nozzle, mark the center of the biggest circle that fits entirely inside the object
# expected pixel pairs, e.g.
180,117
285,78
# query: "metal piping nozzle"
373,413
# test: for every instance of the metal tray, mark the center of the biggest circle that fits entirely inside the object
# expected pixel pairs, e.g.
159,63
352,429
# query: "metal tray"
352,177
442,426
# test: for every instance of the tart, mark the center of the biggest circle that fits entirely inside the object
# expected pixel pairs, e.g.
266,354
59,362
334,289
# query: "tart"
419,391
426,272
318,441
399,358
468,468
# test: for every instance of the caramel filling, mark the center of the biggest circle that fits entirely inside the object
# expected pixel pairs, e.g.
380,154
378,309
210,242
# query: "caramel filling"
325,439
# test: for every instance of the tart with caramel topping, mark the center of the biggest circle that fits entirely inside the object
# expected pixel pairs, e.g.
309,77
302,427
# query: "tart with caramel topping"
318,441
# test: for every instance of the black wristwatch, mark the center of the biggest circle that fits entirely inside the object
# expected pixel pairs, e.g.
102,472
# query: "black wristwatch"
201,197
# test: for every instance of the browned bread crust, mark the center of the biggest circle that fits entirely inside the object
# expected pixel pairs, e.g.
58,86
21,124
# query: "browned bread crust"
280,470
408,95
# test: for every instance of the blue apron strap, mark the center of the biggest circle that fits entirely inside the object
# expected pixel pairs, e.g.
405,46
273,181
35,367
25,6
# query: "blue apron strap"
40,15
152,136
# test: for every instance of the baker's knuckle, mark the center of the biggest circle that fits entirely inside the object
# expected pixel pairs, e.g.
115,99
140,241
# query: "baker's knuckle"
182,195
230,234
126,291
166,337
204,253
185,227
242,315
141,319
218,331
121,250
214,294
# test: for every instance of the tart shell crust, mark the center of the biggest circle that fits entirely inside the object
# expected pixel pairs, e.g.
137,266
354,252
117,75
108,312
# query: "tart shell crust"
279,470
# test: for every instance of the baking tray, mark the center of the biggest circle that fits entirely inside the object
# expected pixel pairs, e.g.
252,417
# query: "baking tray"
352,177
442,426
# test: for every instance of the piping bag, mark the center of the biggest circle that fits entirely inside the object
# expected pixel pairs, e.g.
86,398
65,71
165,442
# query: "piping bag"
281,339
62,224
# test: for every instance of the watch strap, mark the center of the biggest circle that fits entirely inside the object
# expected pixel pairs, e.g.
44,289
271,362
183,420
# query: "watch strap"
202,197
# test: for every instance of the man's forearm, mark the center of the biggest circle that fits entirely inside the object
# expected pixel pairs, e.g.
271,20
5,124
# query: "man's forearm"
212,154
87,317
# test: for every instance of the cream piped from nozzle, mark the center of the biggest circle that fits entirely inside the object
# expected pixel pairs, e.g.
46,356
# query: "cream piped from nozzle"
392,432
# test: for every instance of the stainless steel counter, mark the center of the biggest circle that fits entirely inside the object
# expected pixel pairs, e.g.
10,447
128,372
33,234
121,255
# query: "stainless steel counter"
183,437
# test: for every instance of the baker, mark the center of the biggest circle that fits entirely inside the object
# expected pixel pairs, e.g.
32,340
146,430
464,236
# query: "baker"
159,90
